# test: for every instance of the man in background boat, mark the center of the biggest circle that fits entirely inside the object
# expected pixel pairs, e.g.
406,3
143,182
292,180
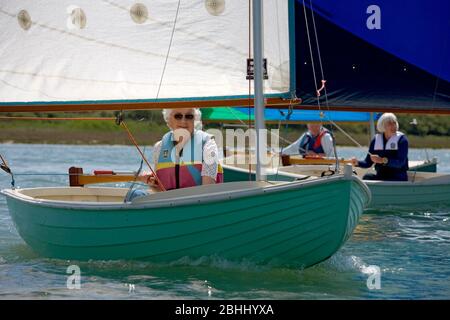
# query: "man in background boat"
316,142
186,156
388,151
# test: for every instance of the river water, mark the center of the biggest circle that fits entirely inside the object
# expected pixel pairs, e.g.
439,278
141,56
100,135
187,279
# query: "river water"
411,248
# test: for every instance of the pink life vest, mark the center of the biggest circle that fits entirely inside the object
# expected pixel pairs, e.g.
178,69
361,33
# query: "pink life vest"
187,173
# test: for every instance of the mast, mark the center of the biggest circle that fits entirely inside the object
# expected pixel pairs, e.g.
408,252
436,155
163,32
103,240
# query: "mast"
258,45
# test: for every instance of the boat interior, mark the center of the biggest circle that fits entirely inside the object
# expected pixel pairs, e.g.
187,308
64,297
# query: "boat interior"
314,171
413,176
117,195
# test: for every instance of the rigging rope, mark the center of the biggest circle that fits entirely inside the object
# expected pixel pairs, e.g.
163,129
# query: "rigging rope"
323,75
133,140
129,192
122,123
319,56
4,166
168,49
323,81
311,53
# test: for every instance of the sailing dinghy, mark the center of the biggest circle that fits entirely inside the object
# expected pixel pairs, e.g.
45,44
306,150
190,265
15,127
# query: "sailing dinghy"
423,189
116,55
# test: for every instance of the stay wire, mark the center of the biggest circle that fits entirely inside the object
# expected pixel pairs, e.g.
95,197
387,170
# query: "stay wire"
157,96
4,166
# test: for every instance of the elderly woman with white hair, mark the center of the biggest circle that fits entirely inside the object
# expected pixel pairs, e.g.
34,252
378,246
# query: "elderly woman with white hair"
186,156
388,151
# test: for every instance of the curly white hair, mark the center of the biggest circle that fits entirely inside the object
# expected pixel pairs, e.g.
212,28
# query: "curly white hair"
384,119
197,117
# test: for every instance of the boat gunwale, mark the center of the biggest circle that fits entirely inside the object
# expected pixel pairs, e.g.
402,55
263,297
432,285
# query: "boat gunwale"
423,178
427,179
179,200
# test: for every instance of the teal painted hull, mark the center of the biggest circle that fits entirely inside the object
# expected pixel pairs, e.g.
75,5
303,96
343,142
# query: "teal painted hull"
428,167
232,174
408,196
297,227
384,194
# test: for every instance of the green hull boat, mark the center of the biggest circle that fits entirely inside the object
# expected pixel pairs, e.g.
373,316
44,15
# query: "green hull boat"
297,223
424,166
423,189
292,223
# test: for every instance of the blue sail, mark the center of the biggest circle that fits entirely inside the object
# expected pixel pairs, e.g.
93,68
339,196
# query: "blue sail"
382,54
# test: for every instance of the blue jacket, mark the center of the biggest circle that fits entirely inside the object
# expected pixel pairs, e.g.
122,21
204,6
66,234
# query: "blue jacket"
396,150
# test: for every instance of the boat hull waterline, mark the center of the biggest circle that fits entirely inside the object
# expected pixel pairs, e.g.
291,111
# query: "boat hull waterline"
297,223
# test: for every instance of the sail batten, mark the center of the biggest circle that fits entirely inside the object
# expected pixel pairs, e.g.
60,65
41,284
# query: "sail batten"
100,52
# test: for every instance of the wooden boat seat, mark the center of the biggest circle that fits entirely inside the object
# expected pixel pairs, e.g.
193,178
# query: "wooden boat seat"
81,194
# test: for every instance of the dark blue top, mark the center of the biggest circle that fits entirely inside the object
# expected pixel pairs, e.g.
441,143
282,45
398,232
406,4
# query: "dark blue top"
397,166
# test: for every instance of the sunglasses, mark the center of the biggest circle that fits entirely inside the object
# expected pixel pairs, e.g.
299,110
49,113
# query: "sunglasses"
179,116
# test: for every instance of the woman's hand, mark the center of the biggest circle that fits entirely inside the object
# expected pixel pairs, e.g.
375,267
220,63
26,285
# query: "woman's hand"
208,180
354,162
149,179
376,158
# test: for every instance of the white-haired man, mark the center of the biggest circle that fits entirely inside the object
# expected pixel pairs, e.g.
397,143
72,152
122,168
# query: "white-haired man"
388,151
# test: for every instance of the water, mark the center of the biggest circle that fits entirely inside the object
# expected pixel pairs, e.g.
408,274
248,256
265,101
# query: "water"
411,248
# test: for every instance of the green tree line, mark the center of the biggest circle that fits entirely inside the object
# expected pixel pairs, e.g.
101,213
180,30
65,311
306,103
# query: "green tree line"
413,124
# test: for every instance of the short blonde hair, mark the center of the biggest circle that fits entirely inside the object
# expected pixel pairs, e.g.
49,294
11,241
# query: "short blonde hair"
386,118
197,117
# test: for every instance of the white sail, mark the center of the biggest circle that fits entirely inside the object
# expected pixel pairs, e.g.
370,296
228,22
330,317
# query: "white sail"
85,50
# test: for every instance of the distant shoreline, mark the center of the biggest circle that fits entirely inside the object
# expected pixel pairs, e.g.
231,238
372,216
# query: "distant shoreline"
119,137
430,131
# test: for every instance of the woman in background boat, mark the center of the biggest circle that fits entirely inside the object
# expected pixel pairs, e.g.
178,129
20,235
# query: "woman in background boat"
317,141
388,151
186,156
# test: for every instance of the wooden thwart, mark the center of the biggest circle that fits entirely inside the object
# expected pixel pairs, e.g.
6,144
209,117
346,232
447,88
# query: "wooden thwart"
78,179
290,160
